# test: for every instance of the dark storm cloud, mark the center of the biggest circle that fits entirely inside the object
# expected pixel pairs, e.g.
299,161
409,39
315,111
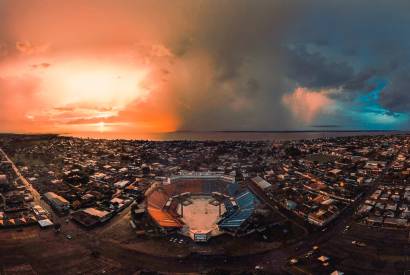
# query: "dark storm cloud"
181,47
253,85
241,41
360,82
347,46
372,37
396,96
315,71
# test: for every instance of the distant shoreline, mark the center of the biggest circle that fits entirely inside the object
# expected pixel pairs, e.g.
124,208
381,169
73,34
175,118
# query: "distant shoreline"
219,131
213,131
30,134
288,131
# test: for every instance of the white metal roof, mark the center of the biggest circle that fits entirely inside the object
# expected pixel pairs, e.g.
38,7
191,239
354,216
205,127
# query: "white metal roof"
263,184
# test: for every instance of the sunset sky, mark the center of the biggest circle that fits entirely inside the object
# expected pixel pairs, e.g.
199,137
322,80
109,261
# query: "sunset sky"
158,66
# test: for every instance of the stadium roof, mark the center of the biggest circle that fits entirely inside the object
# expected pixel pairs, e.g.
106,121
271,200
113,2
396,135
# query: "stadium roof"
163,218
246,202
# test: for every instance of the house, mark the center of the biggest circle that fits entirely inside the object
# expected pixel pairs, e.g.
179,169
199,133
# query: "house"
58,203
261,183
91,217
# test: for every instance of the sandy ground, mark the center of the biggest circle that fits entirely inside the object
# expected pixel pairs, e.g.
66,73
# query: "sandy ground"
201,216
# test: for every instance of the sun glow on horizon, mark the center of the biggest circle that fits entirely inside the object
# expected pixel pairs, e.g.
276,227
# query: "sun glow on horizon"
110,86
87,94
101,126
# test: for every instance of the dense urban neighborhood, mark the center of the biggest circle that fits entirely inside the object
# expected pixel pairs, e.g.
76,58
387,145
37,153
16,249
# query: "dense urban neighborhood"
306,206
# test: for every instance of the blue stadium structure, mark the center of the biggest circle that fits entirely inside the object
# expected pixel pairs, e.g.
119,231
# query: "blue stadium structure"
236,216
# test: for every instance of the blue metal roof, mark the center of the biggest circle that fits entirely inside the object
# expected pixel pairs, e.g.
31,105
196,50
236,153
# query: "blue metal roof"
236,219
229,206
233,189
246,202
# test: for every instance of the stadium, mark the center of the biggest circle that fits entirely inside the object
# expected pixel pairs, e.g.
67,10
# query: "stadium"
201,206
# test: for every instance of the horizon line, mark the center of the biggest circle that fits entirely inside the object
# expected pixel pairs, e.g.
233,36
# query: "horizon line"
220,131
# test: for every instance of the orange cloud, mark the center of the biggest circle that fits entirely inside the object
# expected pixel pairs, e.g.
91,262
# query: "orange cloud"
3,49
16,107
306,104
41,65
75,95
28,48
